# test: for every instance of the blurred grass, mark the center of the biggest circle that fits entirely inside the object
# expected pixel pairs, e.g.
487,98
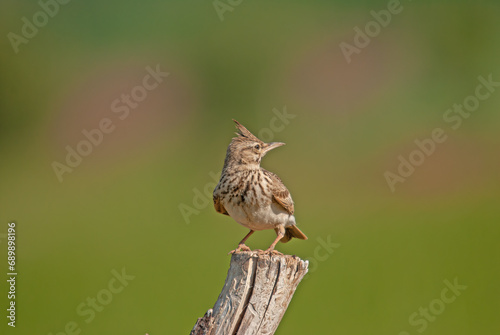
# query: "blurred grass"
120,207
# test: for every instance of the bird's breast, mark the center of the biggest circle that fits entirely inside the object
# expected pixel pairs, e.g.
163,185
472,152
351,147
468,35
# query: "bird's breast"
249,201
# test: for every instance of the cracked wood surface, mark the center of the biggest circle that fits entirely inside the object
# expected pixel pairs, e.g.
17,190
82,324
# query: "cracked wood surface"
255,296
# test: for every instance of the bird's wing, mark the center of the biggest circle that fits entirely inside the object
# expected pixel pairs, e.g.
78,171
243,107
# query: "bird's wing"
280,193
219,207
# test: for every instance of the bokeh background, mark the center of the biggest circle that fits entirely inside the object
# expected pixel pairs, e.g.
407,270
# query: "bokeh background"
140,201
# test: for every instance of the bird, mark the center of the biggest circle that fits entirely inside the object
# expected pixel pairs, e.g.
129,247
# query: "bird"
254,197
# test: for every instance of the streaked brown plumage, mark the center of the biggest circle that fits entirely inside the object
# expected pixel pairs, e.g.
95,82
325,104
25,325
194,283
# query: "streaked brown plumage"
254,197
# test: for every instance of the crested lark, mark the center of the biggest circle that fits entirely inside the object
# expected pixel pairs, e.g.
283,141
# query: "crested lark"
256,198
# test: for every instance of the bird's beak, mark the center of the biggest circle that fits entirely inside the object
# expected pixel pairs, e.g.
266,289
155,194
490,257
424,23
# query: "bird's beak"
271,146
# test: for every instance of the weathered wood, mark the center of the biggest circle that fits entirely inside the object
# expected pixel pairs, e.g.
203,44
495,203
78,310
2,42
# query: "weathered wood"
255,296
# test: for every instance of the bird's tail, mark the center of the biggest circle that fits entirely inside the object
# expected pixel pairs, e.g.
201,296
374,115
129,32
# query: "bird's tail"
293,231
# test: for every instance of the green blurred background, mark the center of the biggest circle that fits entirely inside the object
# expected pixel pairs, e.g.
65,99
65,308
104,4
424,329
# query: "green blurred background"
121,207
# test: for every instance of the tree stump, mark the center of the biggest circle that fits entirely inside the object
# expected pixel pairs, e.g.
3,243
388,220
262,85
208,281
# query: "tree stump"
255,296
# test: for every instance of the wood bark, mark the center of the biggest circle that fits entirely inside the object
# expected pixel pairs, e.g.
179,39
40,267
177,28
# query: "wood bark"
255,296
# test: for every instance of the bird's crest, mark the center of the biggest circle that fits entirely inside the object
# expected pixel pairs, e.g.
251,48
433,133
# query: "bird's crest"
244,132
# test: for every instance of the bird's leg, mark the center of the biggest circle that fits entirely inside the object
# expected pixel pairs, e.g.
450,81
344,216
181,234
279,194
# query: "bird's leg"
280,232
241,245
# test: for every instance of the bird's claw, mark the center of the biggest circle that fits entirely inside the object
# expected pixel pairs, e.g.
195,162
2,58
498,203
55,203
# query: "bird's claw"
241,247
272,251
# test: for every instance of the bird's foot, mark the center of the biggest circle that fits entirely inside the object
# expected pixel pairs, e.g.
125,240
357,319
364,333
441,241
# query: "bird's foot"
241,247
271,251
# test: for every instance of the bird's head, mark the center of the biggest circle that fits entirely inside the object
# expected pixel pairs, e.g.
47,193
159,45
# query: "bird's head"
247,149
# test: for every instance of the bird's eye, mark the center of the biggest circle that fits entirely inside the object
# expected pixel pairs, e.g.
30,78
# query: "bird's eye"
257,147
